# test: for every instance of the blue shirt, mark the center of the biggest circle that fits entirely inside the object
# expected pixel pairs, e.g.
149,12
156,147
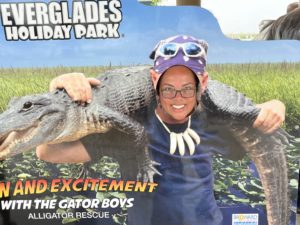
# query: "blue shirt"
184,195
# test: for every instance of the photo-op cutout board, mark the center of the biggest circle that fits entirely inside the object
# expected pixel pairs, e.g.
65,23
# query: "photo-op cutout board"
70,162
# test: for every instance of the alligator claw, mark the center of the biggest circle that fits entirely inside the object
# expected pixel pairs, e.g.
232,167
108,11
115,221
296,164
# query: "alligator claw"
155,164
147,171
83,171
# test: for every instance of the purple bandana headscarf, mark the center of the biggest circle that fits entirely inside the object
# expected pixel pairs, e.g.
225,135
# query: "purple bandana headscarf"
196,64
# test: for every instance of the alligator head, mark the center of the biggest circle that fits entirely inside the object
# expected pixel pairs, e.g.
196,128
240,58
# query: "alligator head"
32,120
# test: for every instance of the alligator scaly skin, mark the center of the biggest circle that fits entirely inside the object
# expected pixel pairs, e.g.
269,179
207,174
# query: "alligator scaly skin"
266,150
267,153
121,102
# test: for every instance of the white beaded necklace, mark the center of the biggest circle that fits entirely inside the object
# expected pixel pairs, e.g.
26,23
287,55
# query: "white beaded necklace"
189,136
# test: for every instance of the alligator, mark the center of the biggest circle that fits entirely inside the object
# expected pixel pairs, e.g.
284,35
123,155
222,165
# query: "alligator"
120,104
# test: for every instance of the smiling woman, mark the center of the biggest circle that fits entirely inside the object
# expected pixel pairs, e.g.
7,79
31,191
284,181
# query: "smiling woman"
179,67
175,107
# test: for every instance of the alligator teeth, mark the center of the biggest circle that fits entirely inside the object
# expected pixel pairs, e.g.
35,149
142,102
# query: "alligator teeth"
8,140
14,138
2,139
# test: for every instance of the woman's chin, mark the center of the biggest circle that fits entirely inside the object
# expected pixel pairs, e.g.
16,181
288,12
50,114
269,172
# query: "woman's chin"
178,117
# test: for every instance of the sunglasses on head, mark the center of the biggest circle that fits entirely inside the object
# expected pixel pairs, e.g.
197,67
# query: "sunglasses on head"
171,49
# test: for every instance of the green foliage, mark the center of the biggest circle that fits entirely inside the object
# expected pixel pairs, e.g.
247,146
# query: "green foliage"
261,82
155,2
238,175
107,167
242,36
22,81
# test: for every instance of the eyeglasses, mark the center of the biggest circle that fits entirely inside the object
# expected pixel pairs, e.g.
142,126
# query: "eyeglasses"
170,92
190,49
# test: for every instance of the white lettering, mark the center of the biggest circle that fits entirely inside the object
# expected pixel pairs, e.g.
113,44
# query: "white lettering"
116,15
91,9
78,13
6,14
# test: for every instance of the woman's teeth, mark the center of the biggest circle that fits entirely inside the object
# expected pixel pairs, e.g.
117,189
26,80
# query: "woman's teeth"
178,106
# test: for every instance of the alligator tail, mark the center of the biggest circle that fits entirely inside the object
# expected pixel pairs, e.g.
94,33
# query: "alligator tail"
268,154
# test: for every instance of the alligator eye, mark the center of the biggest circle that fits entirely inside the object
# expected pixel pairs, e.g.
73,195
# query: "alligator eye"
27,106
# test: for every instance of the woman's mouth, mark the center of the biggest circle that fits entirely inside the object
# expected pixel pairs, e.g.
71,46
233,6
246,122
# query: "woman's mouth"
178,106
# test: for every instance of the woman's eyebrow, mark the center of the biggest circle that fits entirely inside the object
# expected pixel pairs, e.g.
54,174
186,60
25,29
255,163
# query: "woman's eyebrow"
189,83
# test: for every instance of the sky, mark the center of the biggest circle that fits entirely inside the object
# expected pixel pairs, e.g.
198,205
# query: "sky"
141,28
242,16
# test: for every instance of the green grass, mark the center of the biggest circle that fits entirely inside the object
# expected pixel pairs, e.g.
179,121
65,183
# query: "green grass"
22,81
260,82
242,36
263,82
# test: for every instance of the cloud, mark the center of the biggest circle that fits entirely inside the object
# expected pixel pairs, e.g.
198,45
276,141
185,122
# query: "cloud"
142,28
236,16
242,16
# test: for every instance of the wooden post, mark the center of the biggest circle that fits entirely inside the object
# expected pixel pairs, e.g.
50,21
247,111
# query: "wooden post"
188,2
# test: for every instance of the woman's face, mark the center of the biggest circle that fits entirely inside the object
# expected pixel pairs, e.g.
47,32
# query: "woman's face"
177,109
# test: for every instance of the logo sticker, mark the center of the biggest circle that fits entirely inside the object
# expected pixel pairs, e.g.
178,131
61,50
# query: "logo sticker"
244,219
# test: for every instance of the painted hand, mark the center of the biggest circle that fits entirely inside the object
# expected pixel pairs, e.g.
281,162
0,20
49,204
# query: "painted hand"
78,87
271,116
